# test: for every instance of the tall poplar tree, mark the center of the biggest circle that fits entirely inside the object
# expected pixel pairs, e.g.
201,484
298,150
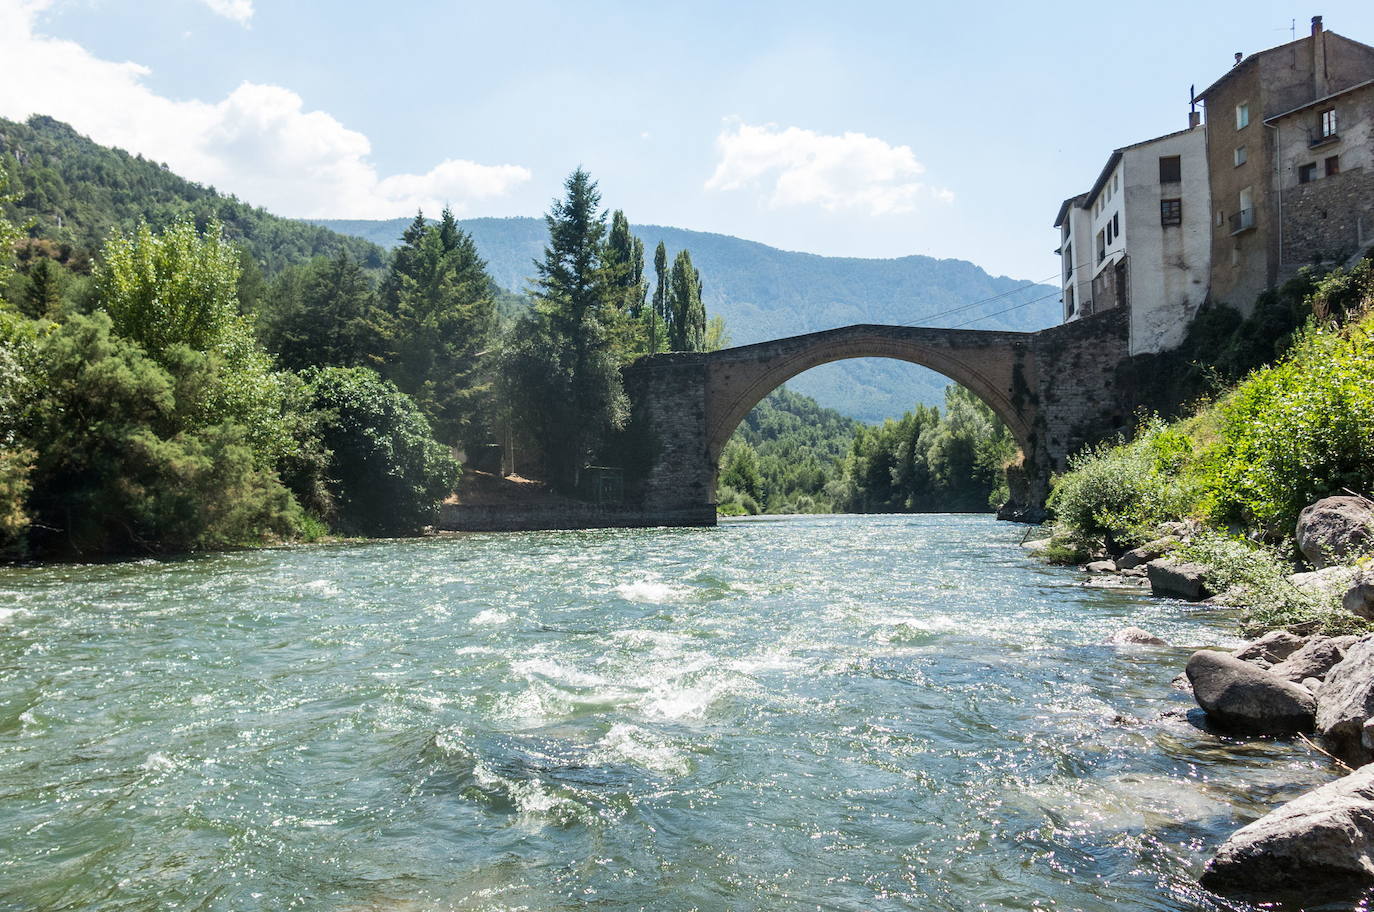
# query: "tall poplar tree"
627,319
688,331
662,312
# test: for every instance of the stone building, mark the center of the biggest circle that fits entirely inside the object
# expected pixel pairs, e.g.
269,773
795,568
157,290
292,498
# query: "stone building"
1275,122
1140,239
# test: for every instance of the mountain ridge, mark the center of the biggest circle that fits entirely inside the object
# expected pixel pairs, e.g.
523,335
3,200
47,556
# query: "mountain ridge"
764,292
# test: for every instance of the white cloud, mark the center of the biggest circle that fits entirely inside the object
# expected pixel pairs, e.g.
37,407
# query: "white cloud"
241,11
797,167
259,143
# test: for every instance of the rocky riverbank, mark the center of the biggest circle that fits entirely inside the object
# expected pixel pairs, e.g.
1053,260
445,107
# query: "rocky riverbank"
1302,682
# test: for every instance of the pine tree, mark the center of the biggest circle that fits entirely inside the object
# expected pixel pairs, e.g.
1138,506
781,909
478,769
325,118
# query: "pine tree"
561,364
43,289
440,318
626,319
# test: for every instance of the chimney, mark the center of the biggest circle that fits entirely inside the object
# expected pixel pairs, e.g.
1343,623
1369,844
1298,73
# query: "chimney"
1238,56
1194,115
1194,118
1319,81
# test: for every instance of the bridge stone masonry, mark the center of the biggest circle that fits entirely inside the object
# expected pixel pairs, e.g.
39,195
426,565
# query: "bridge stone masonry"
1057,390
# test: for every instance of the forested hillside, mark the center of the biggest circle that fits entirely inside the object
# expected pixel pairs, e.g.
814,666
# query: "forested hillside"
765,293
75,193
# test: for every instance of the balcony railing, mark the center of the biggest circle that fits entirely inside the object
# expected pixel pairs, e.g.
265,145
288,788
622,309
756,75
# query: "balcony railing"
1243,220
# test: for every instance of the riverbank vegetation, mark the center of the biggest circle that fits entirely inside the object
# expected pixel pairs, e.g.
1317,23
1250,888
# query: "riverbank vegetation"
1245,463
792,456
166,389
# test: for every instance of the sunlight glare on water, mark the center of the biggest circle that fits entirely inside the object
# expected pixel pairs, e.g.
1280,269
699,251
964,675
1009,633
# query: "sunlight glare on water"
831,712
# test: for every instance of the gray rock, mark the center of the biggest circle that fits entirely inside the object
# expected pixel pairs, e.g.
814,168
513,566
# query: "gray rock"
1036,544
1323,839
1134,636
1359,598
1312,684
1336,529
1146,553
1314,660
1347,701
1177,579
1328,582
1274,646
1245,698
1102,566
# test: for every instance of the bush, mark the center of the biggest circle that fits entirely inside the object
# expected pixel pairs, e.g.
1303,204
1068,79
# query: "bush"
1296,432
1258,577
1117,493
133,474
387,475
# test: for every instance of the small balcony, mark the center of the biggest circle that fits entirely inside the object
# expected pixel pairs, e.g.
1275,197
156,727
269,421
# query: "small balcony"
1243,220
1318,141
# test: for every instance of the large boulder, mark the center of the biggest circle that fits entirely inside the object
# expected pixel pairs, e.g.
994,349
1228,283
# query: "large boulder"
1243,697
1347,702
1101,566
1359,598
1335,530
1274,646
1177,579
1327,584
1141,556
1314,660
1320,841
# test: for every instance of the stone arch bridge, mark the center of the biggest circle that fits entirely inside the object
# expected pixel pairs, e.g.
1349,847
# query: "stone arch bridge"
1056,390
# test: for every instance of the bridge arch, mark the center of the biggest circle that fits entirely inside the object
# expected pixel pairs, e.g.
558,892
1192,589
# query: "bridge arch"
987,364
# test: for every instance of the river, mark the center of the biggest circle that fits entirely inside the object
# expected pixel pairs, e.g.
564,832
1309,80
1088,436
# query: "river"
857,713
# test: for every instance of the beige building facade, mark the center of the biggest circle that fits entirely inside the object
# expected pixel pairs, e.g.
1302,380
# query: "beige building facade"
1251,163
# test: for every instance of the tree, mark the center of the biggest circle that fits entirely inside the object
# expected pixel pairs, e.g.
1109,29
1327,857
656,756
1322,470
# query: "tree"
663,315
628,321
324,313
9,233
560,359
388,475
43,289
688,331
441,315
179,287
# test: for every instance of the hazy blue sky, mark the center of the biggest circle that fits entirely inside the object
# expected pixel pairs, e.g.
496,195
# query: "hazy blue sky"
865,129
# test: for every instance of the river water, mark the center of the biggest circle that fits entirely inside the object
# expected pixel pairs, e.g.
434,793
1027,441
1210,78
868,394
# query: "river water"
858,713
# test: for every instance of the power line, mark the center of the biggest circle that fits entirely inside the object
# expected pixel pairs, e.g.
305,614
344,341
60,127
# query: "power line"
962,307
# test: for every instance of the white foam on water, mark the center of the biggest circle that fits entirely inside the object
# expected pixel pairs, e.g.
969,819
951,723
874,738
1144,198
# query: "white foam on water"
679,700
556,672
630,743
652,591
490,617
322,587
474,650
9,614
158,762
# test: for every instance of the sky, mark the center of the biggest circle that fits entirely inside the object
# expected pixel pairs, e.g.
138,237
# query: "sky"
859,129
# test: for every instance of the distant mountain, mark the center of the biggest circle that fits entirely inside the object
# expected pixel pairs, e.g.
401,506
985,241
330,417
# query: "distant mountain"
765,293
76,192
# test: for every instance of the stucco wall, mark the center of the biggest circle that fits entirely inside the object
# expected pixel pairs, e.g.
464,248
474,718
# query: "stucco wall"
1169,266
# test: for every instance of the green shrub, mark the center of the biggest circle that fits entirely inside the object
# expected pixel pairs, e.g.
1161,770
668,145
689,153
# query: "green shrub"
133,474
387,474
1296,432
1117,493
1258,578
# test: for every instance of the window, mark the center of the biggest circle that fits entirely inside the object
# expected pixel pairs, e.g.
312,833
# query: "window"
1101,246
1240,156
1221,218
1116,181
1171,212
1242,115
1068,260
1109,233
1333,165
1116,224
1328,123
1170,169
1307,173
